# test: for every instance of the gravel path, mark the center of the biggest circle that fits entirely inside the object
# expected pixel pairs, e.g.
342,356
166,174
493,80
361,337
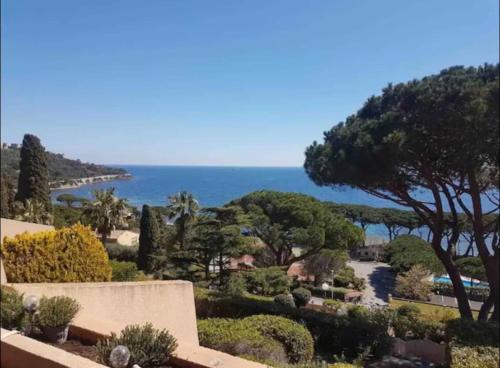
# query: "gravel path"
379,281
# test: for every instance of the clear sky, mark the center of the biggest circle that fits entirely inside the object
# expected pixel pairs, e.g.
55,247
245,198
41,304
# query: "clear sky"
221,82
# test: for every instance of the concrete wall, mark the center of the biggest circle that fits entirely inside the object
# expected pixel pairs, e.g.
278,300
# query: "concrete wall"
166,304
22,352
424,349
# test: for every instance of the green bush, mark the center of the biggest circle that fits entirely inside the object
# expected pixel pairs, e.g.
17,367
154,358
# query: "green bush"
334,334
332,304
408,325
301,296
341,281
408,310
72,254
122,253
123,271
57,311
149,347
479,294
267,281
236,338
472,332
236,285
297,340
474,357
285,300
334,293
11,308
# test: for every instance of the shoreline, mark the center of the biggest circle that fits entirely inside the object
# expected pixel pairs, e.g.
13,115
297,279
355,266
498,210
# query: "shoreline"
80,182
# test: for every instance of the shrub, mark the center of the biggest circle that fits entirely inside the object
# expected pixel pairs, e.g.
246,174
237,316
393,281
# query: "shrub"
413,284
149,347
57,311
334,293
285,300
472,333
359,283
236,285
301,297
297,340
479,294
332,304
341,281
474,357
123,271
408,310
236,338
122,253
72,254
267,281
12,310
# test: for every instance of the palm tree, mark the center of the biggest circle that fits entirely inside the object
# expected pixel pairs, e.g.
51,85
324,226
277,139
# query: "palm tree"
182,209
32,211
106,212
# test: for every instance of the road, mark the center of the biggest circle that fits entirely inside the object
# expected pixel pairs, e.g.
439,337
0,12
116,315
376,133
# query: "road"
379,281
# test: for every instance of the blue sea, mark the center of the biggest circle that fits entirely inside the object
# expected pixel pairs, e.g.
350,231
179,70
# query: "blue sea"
216,186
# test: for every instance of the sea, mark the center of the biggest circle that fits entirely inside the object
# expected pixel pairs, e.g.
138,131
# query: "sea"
215,186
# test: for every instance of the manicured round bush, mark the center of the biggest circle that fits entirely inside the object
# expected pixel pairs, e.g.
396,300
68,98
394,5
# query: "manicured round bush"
301,297
333,304
57,311
123,271
285,300
234,337
296,339
408,310
72,254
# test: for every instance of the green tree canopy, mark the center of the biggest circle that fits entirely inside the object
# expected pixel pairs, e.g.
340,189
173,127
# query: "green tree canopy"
33,182
106,212
290,220
438,136
70,199
405,251
182,208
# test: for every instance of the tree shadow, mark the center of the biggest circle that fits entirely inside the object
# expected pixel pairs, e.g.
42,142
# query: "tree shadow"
382,282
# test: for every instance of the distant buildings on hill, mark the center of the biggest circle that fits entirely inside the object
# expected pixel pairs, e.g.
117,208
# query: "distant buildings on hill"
10,146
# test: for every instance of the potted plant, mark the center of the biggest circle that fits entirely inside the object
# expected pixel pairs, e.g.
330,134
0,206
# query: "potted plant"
54,316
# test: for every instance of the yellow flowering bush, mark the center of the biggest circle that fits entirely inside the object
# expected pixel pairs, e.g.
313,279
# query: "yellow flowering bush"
71,254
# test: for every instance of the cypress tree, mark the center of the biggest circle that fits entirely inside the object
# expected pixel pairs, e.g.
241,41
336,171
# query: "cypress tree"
148,238
34,175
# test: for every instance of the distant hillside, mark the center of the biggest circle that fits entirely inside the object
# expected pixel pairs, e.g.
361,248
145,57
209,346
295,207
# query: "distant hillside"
60,168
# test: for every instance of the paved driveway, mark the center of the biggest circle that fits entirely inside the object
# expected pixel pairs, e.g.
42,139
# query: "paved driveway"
379,281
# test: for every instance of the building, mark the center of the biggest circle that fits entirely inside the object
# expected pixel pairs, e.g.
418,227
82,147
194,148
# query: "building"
123,237
371,250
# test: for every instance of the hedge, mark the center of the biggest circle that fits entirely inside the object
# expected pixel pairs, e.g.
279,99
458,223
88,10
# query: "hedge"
72,254
338,293
296,339
234,337
123,271
123,253
479,294
333,334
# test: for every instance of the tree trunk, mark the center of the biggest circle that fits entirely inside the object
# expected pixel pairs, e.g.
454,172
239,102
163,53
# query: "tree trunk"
458,286
490,261
485,308
104,237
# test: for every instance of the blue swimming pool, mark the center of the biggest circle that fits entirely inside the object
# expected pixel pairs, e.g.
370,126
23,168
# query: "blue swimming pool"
468,283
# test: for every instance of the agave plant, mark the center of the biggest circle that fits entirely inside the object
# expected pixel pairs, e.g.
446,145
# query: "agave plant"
32,210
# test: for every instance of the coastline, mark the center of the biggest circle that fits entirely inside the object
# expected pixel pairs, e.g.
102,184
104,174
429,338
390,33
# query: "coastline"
80,182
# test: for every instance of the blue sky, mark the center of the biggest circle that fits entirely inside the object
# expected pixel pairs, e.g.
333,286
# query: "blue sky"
220,82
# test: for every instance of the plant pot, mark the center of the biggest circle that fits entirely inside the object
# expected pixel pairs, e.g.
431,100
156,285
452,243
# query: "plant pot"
57,335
